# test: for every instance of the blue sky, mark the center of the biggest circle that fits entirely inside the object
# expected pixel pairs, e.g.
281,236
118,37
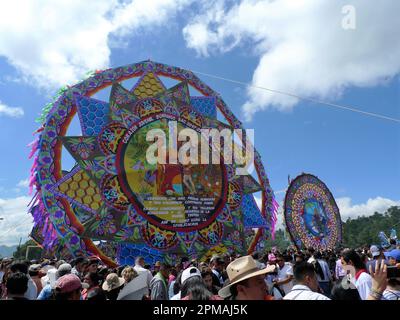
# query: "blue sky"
357,156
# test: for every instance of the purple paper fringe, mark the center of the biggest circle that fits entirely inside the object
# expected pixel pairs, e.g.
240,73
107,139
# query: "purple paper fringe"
32,178
274,217
36,207
41,218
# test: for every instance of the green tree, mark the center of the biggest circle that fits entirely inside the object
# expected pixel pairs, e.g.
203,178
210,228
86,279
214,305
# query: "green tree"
363,231
281,241
358,232
34,252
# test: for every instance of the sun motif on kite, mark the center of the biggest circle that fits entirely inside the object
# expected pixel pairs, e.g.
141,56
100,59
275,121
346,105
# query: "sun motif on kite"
115,198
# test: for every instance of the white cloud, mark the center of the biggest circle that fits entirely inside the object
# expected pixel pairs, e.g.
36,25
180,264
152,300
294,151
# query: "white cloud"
23,183
57,42
138,13
302,46
283,191
16,221
13,112
378,204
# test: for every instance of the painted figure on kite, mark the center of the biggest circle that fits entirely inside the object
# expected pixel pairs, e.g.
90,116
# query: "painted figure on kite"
315,218
187,179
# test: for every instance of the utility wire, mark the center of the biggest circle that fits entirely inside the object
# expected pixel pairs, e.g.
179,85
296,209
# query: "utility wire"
376,115
24,223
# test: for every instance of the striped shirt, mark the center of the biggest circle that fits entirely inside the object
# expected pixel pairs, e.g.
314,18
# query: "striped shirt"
391,295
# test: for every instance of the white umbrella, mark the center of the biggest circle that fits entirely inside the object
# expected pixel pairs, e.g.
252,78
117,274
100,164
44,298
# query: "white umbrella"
134,289
50,278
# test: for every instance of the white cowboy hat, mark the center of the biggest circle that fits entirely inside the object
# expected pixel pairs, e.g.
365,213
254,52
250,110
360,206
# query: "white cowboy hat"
241,269
112,282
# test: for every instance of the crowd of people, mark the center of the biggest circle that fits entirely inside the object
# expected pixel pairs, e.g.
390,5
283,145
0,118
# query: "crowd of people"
365,274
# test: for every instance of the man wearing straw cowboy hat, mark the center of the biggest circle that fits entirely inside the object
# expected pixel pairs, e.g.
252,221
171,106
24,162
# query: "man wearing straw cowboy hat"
246,280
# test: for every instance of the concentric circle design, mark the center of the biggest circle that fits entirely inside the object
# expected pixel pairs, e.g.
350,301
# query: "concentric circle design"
94,208
311,214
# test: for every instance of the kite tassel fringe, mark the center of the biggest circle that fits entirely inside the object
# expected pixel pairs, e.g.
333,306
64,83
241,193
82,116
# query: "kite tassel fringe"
49,234
33,175
39,130
274,217
38,212
34,147
33,202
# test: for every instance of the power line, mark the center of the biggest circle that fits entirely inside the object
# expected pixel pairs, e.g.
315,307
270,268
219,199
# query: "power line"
335,105
23,223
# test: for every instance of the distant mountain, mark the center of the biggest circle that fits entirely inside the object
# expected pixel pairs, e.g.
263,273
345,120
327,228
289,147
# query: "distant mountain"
7,251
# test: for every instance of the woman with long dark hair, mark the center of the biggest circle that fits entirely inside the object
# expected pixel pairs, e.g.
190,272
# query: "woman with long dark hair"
363,281
194,288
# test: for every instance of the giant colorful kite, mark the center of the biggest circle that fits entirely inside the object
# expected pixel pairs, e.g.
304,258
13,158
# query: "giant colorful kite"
113,203
311,215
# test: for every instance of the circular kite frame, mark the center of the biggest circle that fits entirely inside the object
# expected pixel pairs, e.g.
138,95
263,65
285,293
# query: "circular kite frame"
46,170
294,226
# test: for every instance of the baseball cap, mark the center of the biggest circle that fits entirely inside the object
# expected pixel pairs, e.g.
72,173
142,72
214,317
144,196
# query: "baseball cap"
190,272
395,254
375,251
69,283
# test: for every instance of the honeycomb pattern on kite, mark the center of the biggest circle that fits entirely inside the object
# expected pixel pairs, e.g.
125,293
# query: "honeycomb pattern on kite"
82,189
148,86
93,114
205,106
127,252
251,213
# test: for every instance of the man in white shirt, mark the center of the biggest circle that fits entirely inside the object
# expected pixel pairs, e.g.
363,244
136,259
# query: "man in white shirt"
285,275
306,284
363,284
139,268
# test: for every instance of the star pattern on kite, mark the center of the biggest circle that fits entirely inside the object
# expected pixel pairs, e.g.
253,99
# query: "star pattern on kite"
93,186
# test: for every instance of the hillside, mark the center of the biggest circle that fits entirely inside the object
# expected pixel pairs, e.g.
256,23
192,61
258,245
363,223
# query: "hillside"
365,230
7,251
